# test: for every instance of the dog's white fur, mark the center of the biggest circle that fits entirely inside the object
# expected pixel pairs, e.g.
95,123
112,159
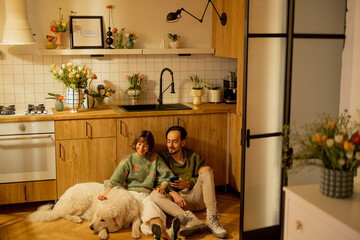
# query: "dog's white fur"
80,202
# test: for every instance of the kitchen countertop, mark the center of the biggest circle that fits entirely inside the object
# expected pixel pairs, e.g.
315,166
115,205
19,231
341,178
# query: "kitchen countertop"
115,112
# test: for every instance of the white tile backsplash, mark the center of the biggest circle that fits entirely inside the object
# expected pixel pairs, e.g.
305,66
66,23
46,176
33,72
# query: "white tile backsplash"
25,79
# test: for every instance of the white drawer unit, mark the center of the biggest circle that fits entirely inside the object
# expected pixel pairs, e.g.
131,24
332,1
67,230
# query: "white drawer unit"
309,215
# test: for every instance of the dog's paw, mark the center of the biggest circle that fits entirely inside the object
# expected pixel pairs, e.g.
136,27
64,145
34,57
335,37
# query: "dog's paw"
136,234
103,235
75,219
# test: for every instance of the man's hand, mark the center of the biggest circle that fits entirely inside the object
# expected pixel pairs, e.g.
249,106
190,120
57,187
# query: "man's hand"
178,199
180,184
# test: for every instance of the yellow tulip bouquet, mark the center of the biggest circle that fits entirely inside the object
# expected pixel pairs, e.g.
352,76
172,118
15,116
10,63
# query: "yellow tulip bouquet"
335,141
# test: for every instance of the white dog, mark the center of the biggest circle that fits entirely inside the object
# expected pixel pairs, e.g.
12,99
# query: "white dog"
80,203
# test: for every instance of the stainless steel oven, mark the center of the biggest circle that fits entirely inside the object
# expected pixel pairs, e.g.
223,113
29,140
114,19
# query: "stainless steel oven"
27,151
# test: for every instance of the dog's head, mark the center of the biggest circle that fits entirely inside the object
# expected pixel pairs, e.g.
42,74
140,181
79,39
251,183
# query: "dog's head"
106,218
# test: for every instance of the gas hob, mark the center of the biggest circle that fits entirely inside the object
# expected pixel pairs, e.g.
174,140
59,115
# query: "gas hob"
31,110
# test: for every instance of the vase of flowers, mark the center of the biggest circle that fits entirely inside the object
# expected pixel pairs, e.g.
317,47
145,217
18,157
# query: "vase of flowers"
49,44
197,90
59,105
334,145
119,36
75,79
174,40
134,91
101,92
58,27
129,44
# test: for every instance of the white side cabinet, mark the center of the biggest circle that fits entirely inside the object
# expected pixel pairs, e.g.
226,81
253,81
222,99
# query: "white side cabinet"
309,215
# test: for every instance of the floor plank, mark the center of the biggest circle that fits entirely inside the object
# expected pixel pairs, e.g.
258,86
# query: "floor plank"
13,224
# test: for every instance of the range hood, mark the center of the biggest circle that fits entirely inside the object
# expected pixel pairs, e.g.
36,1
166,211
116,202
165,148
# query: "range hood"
17,30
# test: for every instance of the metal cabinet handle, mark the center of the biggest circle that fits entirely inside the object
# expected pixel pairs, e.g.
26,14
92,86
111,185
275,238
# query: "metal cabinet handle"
60,147
25,138
121,128
25,192
87,129
298,225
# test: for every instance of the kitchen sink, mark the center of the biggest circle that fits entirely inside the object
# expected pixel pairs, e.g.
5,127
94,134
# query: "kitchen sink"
154,107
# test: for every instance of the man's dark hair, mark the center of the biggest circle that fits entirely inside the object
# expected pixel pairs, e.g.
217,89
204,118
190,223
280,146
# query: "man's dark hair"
144,136
182,131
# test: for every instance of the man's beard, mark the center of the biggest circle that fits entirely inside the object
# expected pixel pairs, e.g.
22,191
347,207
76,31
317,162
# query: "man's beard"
173,153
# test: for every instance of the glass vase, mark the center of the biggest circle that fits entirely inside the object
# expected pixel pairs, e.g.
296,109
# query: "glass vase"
99,102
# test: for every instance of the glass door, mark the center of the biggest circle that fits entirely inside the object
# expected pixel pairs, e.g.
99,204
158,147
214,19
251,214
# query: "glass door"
284,66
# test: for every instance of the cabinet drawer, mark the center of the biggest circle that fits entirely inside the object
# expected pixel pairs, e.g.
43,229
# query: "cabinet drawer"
27,192
302,223
91,128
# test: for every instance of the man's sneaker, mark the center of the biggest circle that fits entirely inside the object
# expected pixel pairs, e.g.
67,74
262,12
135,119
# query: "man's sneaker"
212,220
192,224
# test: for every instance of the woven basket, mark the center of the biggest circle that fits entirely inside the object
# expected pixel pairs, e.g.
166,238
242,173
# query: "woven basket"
336,184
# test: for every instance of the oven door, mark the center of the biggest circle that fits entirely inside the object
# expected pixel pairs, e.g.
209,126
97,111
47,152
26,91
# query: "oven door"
27,157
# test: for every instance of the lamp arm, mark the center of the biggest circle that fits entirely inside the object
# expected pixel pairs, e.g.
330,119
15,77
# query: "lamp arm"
200,20
214,9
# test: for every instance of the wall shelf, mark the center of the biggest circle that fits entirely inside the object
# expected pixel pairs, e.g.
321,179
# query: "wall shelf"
179,51
101,52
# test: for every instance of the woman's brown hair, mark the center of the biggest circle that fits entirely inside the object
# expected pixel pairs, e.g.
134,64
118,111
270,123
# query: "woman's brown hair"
144,136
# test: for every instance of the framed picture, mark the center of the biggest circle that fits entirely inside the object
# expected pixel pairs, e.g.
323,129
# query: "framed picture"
86,32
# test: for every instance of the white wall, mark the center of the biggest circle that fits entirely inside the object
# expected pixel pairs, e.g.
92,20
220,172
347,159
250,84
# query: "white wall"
24,75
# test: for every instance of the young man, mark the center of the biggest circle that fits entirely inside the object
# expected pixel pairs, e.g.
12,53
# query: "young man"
195,187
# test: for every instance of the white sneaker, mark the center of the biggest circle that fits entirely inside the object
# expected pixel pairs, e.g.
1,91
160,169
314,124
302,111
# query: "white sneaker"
212,220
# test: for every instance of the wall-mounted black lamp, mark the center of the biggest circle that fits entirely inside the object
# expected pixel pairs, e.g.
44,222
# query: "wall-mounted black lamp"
175,16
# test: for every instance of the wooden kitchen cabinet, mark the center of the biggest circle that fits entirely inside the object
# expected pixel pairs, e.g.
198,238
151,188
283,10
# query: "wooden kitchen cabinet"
207,135
309,215
235,152
129,128
228,40
27,192
85,151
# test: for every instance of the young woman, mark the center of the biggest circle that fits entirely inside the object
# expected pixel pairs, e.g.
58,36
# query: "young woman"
140,173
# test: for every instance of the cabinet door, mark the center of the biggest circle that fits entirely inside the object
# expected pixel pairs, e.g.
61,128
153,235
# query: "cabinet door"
84,160
90,128
27,192
207,135
228,40
129,128
235,152
12,193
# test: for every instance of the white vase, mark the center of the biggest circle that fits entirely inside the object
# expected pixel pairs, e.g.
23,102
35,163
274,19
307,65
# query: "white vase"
134,95
174,44
74,98
197,94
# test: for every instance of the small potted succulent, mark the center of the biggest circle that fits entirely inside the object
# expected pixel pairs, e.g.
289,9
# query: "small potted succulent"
197,89
174,43
214,94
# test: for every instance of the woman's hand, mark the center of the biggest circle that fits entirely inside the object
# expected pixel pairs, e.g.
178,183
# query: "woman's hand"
102,197
180,184
162,189
180,201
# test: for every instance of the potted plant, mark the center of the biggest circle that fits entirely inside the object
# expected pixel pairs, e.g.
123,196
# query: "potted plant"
197,89
134,91
129,44
333,143
101,92
49,44
174,43
58,27
59,105
214,94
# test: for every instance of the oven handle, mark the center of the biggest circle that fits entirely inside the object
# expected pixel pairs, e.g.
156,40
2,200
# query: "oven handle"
25,138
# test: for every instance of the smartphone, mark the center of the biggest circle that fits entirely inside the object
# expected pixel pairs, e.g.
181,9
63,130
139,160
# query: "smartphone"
174,178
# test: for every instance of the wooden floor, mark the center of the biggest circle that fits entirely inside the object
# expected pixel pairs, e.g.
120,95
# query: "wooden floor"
13,224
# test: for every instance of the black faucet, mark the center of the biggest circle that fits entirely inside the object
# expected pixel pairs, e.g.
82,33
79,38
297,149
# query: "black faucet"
160,100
